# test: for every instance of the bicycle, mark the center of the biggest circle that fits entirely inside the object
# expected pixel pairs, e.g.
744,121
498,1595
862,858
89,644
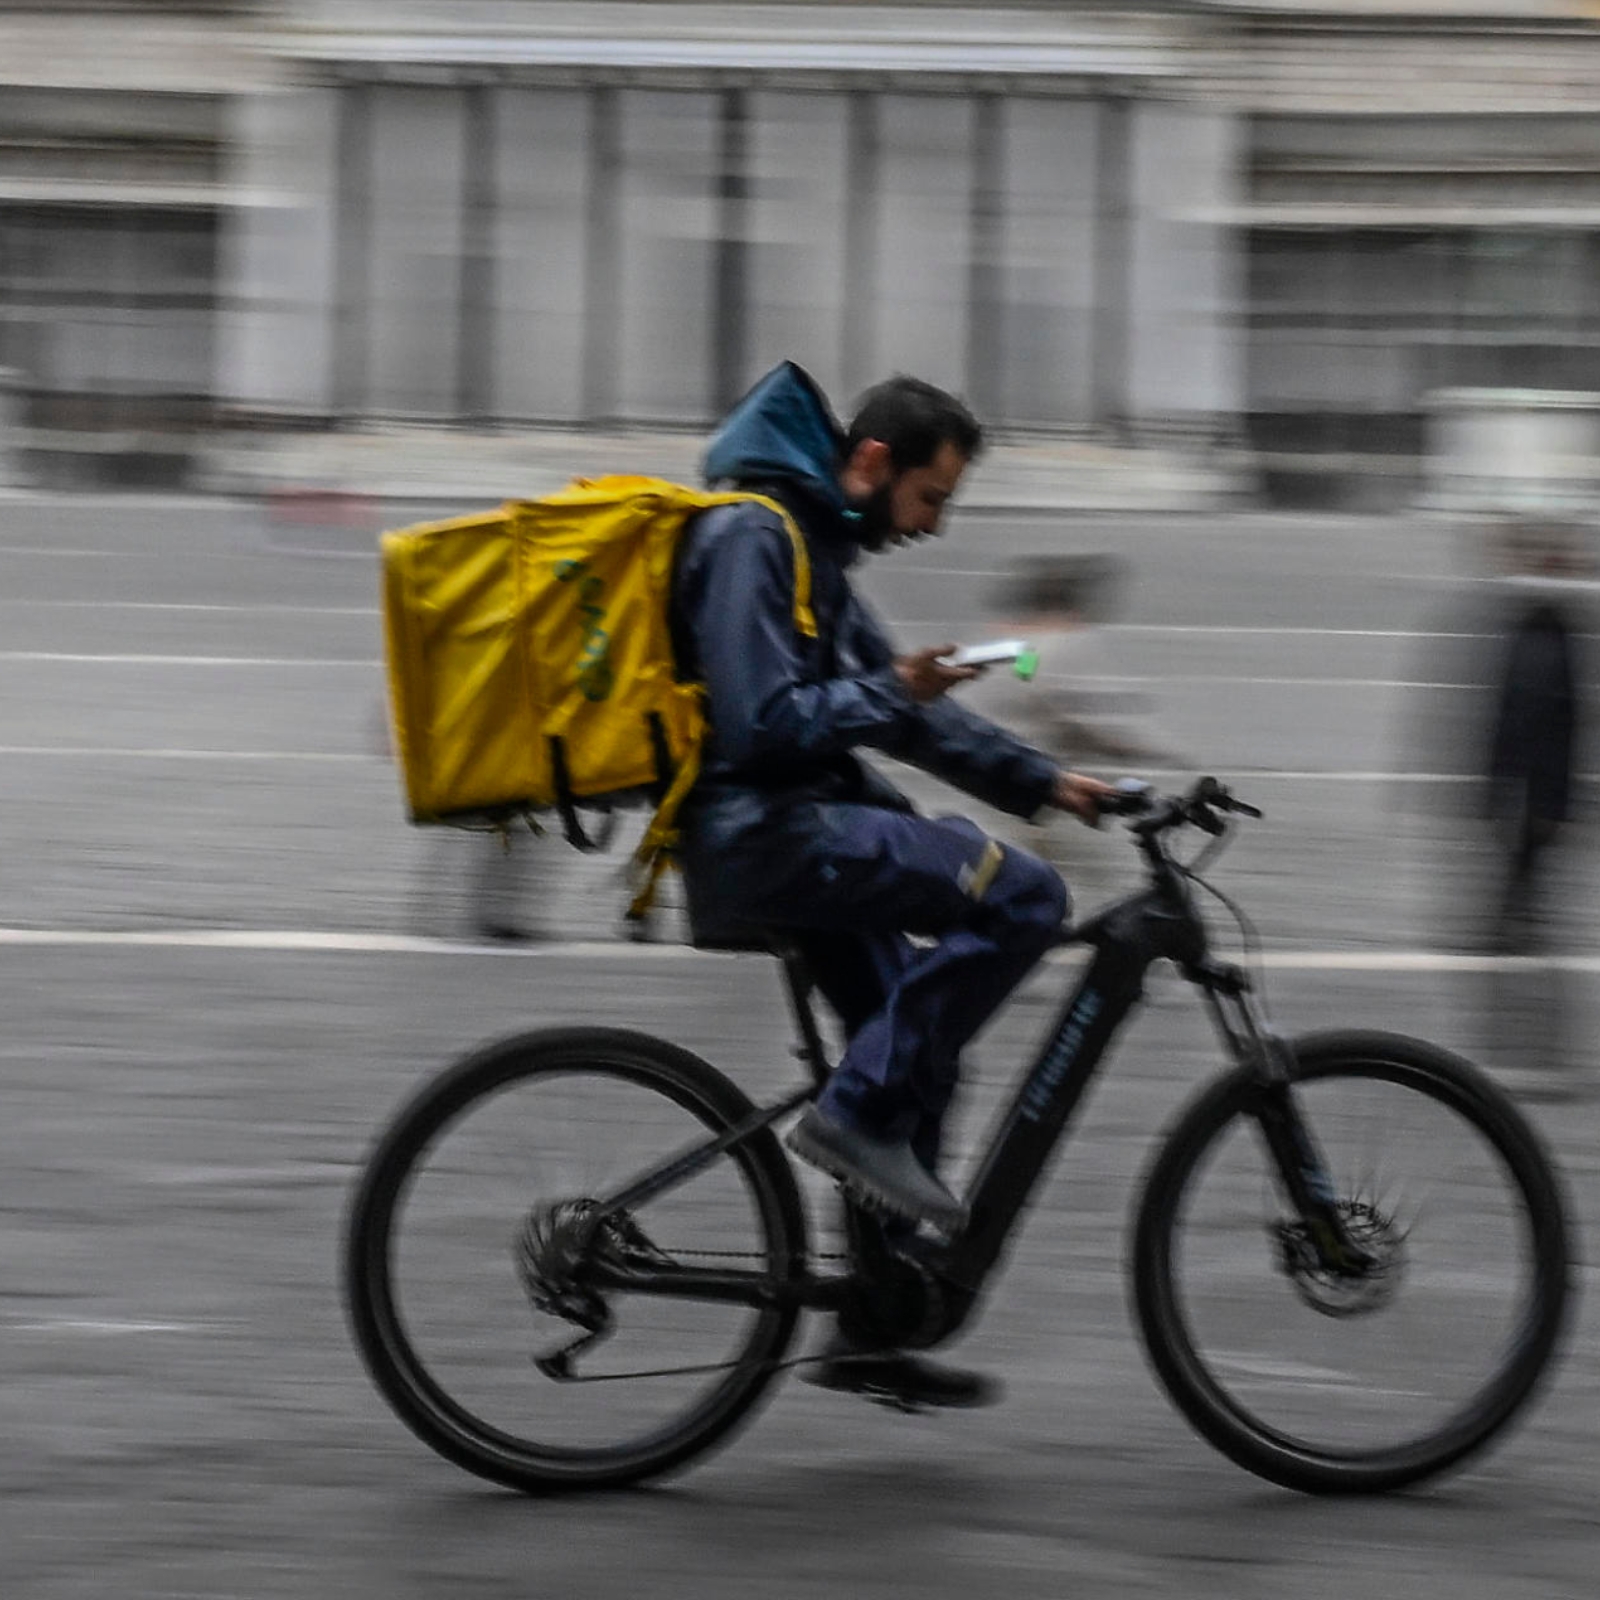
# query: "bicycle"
1264,1218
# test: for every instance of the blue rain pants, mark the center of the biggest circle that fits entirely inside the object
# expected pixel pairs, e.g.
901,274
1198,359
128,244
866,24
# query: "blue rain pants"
850,882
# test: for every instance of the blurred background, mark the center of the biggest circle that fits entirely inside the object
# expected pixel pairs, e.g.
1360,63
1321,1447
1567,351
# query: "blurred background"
1267,235
1285,319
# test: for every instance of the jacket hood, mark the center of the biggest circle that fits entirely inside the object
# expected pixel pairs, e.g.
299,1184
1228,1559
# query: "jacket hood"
783,430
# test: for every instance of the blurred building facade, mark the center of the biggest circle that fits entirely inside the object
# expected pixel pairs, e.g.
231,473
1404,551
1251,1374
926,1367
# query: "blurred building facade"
114,139
1283,222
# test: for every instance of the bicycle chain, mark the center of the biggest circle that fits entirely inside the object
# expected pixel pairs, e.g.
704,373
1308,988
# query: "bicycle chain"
750,1255
714,1366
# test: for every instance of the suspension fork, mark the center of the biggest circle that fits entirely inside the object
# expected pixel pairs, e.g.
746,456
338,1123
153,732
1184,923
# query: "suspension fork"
1301,1166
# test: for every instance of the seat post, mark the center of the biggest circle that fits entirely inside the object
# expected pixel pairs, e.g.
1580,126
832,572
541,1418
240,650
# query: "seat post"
800,986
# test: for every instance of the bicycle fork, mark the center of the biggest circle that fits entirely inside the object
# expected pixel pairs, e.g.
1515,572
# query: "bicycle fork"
1301,1167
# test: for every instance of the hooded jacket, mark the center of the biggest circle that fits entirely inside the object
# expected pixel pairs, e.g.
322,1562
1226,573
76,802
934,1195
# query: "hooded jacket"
786,712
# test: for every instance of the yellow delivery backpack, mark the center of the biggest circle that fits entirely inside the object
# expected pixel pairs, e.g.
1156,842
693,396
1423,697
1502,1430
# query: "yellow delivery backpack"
530,660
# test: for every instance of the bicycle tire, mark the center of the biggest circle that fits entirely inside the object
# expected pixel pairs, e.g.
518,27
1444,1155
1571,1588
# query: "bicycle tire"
380,1329
1215,1413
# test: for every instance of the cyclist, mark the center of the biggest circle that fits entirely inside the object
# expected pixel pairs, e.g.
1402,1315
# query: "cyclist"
786,830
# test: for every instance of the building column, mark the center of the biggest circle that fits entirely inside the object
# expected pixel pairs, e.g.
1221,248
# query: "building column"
798,221
546,366
417,156
730,312
478,351
1047,242
276,330
10,427
1183,341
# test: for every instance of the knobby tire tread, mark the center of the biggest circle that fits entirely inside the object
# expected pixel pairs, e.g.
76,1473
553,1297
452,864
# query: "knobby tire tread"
377,1328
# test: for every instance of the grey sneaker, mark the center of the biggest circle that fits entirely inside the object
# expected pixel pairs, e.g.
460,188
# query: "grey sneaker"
881,1171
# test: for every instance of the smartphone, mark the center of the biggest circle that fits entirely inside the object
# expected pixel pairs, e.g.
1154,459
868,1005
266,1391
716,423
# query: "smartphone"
986,655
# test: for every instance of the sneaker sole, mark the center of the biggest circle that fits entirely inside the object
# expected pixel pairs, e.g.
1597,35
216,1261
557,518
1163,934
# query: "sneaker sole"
899,1399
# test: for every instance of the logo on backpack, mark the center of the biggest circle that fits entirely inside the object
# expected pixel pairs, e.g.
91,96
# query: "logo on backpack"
594,661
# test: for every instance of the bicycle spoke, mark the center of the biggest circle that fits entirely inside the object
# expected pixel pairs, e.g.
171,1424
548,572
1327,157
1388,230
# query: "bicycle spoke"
1403,1365
534,1332
458,1290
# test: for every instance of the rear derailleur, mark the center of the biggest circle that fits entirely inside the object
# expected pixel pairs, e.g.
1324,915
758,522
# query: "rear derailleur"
556,1249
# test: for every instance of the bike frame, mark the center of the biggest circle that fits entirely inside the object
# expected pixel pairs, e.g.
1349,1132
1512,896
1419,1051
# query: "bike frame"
1161,922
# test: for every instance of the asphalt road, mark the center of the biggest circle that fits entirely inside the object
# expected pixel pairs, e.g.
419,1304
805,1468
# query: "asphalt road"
229,960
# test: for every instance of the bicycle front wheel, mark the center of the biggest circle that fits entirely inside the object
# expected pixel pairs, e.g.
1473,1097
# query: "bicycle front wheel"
466,1252
1362,1383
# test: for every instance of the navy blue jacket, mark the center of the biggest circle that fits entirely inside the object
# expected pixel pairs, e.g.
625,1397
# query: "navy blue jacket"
787,712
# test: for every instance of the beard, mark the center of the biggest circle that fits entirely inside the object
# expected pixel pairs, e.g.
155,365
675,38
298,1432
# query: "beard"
872,519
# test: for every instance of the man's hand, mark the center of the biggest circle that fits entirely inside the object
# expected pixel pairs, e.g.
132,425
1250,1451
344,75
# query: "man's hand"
1079,794
925,677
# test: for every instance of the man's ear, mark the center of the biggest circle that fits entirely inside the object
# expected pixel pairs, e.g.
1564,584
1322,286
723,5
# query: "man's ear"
868,466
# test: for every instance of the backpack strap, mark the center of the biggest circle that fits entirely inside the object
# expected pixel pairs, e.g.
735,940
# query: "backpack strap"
660,842
566,801
805,620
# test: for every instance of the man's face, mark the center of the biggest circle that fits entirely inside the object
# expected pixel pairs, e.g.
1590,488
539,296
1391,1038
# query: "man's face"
900,506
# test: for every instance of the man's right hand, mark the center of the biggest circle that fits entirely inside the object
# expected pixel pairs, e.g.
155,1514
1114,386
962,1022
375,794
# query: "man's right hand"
925,677
1081,795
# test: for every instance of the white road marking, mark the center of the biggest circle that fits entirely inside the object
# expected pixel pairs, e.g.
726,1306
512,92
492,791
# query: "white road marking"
78,552
105,1325
370,663
331,942
1232,630
1235,774
266,607
280,608
1313,775
1183,678
171,753
367,663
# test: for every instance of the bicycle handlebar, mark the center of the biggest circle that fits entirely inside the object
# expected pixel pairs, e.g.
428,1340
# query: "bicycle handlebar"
1156,813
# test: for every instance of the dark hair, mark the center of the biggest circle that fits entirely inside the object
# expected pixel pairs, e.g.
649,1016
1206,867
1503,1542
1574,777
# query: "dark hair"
913,418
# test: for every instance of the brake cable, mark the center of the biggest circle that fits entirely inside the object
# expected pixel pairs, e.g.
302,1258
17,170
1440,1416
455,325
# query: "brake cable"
1254,952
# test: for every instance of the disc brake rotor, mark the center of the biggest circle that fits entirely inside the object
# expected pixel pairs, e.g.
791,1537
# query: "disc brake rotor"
1338,1291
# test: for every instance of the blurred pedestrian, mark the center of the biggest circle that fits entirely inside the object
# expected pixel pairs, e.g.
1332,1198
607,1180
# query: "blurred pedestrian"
1071,705
513,880
1532,739
1529,756
513,886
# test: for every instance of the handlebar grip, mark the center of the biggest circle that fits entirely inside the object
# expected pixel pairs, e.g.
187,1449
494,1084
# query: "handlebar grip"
1209,792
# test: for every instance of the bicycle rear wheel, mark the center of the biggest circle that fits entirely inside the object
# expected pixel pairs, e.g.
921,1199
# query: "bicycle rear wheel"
1331,1383
519,1137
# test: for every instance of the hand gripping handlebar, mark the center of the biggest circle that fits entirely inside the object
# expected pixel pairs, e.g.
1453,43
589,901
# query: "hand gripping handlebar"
1156,813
